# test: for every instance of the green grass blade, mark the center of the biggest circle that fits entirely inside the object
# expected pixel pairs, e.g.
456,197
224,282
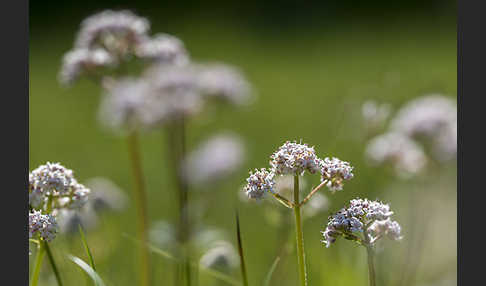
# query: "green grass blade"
240,251
53,264
88,269
266,282
86,247
216,274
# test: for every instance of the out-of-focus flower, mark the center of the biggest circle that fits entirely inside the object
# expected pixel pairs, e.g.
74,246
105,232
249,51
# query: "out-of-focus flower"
70,220
374,114
80,62
44,225
122,107
163,48
119,32
335,172
372,218
432,117
224,82
52,187
259,183
105,195
222,256
293,159
215,159
406,156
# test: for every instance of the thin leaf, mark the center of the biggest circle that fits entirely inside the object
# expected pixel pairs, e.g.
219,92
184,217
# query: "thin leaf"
53,264
86,247
88,269
216,274
266,282
240,251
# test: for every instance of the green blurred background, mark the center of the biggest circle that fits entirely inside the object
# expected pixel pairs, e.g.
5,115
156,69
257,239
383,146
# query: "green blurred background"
312,65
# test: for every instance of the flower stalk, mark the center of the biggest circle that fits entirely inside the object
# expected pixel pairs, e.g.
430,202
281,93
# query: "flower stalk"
299,234
141,205
38,264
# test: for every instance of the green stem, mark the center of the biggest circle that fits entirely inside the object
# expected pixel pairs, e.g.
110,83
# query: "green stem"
299,234
177,148
240,251
141,205
371,265
53,263
37,265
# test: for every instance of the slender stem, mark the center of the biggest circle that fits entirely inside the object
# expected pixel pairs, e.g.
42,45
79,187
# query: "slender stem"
177,148
371,265
53,263
299,234
240,251
313,192
141,205
37,265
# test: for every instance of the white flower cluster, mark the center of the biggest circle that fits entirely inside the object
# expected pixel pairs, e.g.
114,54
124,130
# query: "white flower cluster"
406,156
108,38
294,159
335,171
216,158
163,48
116,31
432,120
52,186
163,94
259,183
431,117
42,224
362,216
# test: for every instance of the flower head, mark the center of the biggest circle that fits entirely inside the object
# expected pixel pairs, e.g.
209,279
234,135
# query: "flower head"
406,156
372,218
119,32
335,172
294,159
82,61
54,184
433,118
44,225
259,183
163,48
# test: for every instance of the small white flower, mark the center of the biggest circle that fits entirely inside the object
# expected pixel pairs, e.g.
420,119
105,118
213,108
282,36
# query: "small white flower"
80,61
259,183
406,156
362,216
43,224
163,48
431,117
118,32
335,171
293,159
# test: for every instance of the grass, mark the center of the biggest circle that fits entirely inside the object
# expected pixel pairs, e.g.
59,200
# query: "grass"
310,86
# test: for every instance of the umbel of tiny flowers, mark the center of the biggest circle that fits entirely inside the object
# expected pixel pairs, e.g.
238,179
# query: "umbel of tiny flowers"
364,222
52,189
296,159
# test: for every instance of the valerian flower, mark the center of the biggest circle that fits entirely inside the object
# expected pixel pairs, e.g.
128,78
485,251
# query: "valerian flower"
221,256
335,172
362,221
53,186
260,182
163,48
43,225
294,159
79,62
